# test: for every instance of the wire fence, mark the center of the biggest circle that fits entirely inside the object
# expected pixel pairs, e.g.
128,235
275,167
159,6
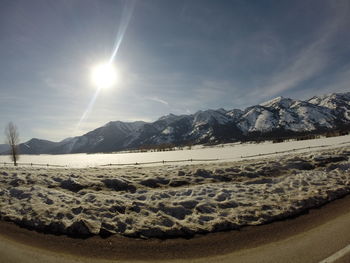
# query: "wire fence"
112,164
161,162
286,151
34,164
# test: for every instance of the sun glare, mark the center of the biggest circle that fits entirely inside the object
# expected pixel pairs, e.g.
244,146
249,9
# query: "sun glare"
104,75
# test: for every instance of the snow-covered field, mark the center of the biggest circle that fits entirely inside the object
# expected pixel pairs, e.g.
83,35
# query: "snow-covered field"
174,200
225,152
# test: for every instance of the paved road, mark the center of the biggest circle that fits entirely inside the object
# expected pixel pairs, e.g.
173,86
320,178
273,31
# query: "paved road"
312,237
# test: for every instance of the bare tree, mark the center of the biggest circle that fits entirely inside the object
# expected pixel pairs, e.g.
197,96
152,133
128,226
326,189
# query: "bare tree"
12,139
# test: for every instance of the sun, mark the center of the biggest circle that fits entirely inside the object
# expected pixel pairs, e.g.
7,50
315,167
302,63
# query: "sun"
104,75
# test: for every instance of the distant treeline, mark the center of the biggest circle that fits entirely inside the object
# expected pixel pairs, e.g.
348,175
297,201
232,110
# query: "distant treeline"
313,136
163,147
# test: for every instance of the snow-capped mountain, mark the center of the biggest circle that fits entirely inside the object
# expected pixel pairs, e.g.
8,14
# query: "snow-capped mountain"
36,146
277,117
113,136
287,114
338,103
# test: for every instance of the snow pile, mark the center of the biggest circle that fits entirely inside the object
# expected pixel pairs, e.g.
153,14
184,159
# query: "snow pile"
170,201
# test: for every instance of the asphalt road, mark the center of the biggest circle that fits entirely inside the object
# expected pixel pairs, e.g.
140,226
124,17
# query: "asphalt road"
312,237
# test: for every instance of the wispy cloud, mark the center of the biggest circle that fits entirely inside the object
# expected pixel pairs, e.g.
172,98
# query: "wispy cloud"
338,82
158,100
341,81
307,63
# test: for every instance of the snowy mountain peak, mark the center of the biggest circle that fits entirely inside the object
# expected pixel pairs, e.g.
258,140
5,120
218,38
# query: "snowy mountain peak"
338,103
169,118
278,102
331,100
222,111
125,126
235,114
210,116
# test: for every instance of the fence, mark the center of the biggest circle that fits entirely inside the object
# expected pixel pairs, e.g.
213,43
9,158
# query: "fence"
115,164
35,164
161,162
286,151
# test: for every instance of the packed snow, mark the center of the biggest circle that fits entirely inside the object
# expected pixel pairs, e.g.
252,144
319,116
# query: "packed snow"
172,200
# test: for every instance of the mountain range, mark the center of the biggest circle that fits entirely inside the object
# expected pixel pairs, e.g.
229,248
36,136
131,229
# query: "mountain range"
279,117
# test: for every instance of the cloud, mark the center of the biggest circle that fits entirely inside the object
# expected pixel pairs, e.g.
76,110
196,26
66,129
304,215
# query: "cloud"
338,82
341,80
51,83
307,63
10,98
158,100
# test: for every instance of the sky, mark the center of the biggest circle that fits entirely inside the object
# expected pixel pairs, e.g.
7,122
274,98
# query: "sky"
171,56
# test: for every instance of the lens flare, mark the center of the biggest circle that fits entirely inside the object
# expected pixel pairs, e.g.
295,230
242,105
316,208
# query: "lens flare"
105,75
124,22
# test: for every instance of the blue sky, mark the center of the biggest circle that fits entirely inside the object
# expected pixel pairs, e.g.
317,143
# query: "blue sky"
174,57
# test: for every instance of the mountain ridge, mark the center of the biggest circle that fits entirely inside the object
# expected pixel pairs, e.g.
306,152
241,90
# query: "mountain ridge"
272,119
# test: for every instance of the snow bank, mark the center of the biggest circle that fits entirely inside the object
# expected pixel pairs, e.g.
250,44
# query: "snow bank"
171,201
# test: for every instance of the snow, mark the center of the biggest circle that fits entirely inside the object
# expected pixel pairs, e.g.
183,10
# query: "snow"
226,152
247,122
277,102
265,121
337,102
208,116
286,117
169,118
330,100
346,114
173,200
168,131
127,127
314,116
234,114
